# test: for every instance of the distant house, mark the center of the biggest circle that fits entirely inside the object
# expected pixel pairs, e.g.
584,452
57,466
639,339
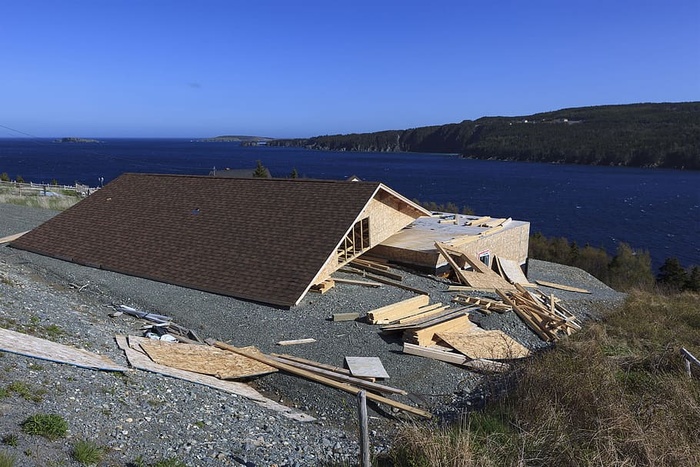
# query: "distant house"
258,239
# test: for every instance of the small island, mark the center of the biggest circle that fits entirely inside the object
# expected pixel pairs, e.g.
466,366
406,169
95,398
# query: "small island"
72,139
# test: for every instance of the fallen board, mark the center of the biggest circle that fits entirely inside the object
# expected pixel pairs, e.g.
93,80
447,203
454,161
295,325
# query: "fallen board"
492,345
568,288
205,359
366,367
30,346
512,271
138,359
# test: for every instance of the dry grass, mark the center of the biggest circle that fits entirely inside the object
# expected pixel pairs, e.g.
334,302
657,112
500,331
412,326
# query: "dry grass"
616,394
55,203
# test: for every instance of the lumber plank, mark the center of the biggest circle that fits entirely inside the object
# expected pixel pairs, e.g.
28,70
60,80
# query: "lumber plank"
453,264
525,317
307,340
435,354
426,336
345,316
429,320
326,381
341,377
397,284
568,288
466,288
357,282
426,309
377,271
398,309
35,347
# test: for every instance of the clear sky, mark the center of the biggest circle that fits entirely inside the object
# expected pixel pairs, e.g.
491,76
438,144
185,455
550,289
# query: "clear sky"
296,68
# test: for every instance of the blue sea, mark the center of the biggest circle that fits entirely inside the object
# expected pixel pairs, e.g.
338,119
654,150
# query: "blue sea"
656,210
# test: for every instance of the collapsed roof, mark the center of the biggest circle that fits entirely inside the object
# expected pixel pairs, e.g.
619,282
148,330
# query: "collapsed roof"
264,240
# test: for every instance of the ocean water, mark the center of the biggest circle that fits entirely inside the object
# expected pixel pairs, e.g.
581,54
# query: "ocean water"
655,210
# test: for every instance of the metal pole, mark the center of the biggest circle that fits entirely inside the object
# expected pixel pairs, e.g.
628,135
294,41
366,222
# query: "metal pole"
364,428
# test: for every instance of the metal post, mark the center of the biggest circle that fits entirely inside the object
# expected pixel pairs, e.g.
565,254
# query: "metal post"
364,428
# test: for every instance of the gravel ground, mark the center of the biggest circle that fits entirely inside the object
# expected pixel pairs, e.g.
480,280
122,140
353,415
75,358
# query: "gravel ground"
144,415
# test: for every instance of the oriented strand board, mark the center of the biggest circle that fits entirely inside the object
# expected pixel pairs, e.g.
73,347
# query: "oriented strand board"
204,359
138,359
366,367
30,346
494,345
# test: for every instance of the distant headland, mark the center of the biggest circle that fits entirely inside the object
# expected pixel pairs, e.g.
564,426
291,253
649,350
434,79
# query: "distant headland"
72,139
254,140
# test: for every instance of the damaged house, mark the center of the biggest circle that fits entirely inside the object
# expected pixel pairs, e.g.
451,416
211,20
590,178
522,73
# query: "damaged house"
258,239
263,240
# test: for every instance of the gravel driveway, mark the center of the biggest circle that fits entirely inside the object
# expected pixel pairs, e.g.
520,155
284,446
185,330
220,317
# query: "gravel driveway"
156,417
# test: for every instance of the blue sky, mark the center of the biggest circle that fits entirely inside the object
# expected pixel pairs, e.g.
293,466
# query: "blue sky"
150,68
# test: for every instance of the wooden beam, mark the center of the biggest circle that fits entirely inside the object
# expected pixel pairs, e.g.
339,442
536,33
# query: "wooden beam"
341,377
568,288
357,282
397,310
326,381
12,238
396,284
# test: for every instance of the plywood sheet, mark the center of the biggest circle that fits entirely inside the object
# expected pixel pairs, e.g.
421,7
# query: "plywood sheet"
512,271
30,346
494,345
204,359
366,367
138,359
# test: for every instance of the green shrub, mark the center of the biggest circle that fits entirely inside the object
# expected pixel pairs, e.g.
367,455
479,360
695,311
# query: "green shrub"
87,452
50,426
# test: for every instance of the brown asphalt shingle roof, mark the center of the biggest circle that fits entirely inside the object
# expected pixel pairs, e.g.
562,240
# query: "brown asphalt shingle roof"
256,239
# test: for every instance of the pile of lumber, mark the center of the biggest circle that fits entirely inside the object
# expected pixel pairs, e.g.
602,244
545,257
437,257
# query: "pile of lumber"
447,334
486,305
544,314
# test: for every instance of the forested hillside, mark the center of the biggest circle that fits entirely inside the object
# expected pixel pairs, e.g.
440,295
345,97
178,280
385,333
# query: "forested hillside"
636,135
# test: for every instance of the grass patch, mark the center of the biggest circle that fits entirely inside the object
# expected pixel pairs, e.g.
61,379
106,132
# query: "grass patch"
50,426
10,440
87,452
7,459
613,394
25,391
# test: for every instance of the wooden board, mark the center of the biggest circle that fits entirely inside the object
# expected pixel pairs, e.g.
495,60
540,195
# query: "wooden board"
512,272
345,316
427,336
205,359
493,345
30,346
138,359
326,381
12,238
307,340
366,367
397,310
561,287
357,282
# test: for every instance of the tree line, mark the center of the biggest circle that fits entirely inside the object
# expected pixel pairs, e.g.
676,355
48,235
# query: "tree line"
663,135
628,269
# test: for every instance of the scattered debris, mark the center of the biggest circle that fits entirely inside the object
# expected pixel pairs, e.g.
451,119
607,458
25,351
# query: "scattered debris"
324,380
486,305
138,359
543,314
